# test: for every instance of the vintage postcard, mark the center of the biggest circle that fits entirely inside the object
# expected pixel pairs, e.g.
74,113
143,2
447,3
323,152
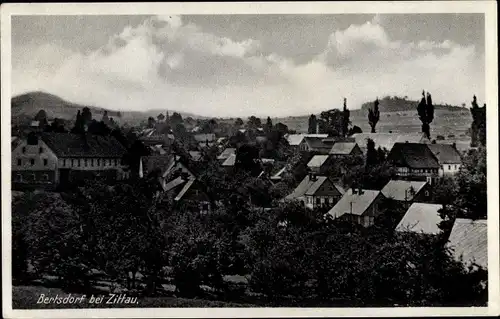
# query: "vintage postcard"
282,159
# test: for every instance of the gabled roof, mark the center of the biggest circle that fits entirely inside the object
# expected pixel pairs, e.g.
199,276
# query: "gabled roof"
421,218
413,155
317,161
294,139
401,190
309,187
230,161
184,189
445,153
156,162
315,185
469,241
316,143
387,140
204,137
354,203
342,148
79,145
279,173
195,155
226,153
173,184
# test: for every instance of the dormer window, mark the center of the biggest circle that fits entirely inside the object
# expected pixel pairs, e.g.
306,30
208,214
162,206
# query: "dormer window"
40,150
32,162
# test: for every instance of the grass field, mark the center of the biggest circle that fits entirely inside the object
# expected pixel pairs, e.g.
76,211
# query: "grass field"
26,297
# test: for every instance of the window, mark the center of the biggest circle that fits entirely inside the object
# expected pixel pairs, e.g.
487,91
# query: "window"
73,162
116,162
449,167
32,161
204,206
45,162
79,162
318,201
426,193
19,162
45,177
85,162
33,177
98,162
19,177
64,162
40,150
92,162
24,149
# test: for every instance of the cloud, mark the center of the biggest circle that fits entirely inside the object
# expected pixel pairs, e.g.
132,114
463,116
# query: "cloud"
168,63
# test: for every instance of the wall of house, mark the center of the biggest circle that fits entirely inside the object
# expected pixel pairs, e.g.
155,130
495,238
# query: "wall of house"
90,164
34,165
449,169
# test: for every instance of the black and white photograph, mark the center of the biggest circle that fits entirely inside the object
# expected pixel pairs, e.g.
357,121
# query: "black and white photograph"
326,156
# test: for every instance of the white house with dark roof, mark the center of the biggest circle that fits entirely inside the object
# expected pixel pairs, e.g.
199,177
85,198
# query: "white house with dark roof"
422,218
357,205
316,191
49,159
468,241
448,158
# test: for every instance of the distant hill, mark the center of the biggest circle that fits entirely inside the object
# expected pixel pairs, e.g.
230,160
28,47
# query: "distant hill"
398,104
24,107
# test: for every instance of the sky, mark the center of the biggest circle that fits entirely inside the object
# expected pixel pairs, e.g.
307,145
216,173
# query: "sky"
242,65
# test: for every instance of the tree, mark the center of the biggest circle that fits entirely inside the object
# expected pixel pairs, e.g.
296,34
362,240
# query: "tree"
238,122
345,119
105,118
425,111
331,122
78,128
371,154
41,117
160,117
313,123
86,116
254,122
478,127
151,122
269,125
355,130
98,128
175,119
374,115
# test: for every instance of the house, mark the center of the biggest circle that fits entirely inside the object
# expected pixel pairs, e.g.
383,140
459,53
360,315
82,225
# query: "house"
448,158
209,137
345,149
315,144
358,205
316,191
294,140
319,164
226,153
407,192
49,159
414,161
468,242
387,140
165,166
189,192
421,218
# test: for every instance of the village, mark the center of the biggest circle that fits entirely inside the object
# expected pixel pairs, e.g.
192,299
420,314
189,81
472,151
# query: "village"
239,186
